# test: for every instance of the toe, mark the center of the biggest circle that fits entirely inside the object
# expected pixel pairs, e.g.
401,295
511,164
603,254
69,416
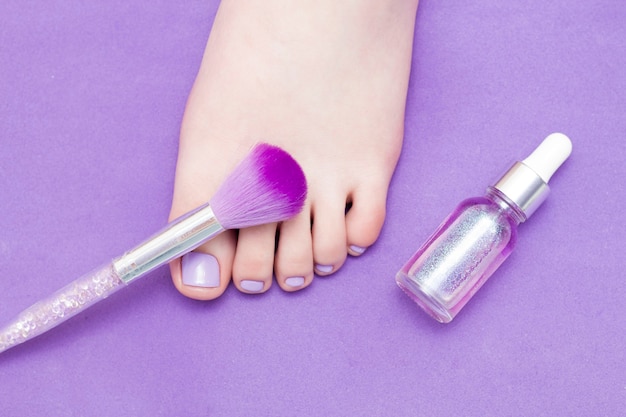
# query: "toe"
365,219
329,235
293,265
204,274
254,259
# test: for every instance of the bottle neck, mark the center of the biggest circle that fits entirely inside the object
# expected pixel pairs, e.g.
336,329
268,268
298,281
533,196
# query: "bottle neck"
506,205
522,187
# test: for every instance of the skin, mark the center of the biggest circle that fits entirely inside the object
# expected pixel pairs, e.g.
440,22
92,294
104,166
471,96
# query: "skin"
327,82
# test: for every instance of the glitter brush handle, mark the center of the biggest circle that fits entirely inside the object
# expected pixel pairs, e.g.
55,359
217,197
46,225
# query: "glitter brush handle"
177,238
60,306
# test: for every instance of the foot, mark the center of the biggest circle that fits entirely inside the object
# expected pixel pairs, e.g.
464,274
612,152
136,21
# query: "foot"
327,82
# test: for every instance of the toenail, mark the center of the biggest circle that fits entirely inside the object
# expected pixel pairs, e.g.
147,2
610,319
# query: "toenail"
294,281
252,286
358,250
201,270
324,269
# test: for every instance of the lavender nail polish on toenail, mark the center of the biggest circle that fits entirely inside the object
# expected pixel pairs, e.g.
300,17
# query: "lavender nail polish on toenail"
294,281
252,286
201,270
358,250
324,269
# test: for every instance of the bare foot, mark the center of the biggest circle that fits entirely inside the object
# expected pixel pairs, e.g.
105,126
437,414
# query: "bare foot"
326,81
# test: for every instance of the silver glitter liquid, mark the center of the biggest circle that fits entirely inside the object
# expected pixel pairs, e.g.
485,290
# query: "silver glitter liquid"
461,255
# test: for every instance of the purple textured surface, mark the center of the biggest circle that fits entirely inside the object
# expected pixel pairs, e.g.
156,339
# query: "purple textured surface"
91,98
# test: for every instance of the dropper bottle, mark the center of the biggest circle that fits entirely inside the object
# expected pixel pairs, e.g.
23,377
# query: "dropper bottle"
474,240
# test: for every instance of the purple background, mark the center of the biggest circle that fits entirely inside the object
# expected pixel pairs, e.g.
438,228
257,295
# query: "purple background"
91,98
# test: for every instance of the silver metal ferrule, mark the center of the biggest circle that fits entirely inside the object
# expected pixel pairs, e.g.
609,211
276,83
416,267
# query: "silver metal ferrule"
523,187
176,239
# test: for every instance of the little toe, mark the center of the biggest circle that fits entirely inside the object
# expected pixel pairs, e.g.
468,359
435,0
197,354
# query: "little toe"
329,236
293,264
365,219
254,259
204,274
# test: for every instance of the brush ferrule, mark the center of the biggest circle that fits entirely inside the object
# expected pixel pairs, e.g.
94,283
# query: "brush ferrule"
176,239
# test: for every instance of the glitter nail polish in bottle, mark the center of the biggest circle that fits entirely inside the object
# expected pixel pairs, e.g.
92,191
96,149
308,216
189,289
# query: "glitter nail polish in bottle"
444,274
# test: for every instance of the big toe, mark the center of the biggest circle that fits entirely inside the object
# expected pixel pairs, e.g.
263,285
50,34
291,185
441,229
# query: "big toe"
204,274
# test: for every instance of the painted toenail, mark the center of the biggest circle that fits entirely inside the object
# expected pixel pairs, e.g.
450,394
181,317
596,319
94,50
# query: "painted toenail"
294,281
252,286
201,270
324,269
357,249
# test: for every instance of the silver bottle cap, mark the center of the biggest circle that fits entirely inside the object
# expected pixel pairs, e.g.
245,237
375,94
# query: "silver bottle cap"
526,182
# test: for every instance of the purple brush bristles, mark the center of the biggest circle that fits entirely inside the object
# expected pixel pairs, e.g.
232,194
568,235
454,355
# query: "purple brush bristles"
268,186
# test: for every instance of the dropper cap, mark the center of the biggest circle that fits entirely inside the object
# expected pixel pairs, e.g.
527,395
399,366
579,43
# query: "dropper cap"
526,183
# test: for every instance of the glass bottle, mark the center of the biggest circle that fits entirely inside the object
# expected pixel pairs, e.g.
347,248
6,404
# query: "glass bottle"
474,240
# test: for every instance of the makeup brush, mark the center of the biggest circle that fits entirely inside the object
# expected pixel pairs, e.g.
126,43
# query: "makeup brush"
267,186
